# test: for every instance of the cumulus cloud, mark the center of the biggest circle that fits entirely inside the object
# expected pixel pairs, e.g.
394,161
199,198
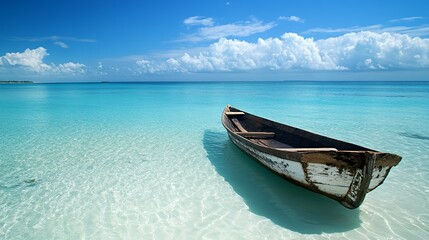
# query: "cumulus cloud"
147,66
370,50
32,60
353,51
71,67
239,29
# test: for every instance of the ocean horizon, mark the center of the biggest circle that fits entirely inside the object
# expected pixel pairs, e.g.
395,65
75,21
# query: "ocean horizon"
139,160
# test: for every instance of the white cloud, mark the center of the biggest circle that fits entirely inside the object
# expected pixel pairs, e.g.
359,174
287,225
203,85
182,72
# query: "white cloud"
198,20
370,50
99,70
239,29
414,31
352,51
419,31
32,60
292,19
56,40
53,38
407,19
345,30
146,66
71,68
61,44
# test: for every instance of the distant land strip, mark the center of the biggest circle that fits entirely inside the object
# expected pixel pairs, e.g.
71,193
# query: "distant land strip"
16,82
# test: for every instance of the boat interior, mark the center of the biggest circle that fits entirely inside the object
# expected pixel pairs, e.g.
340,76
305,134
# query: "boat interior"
271,134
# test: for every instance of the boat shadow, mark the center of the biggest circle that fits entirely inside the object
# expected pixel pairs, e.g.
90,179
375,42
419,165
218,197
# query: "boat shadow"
270,196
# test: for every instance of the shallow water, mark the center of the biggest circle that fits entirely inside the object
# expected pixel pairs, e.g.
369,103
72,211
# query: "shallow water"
139,161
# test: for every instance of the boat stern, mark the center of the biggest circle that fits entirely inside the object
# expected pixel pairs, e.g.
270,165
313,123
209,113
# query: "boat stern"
373,171
347,176
360,183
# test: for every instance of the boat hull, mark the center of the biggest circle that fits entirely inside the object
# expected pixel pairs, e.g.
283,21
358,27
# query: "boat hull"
347,186
339,170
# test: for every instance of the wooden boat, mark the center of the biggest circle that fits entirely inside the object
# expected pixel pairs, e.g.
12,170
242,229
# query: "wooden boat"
342,171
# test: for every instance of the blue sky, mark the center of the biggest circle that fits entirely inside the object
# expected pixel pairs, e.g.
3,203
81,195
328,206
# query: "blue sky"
214,40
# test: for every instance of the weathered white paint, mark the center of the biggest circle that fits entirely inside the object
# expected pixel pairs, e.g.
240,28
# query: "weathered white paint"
343,184
355,185
283,166
330,179
378,176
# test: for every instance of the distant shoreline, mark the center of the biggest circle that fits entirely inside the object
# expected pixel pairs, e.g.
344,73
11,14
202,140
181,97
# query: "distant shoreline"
215,82
16,82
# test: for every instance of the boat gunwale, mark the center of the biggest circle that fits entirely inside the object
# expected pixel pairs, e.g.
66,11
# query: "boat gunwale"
299,129
298,155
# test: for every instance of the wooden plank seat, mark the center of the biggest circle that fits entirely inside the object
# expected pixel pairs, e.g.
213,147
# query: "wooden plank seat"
243,132
308,149
234,114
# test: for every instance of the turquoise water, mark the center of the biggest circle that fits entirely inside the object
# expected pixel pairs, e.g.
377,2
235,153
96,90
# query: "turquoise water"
152,160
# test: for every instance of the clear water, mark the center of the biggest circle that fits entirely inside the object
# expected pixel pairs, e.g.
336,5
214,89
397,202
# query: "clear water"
152,161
